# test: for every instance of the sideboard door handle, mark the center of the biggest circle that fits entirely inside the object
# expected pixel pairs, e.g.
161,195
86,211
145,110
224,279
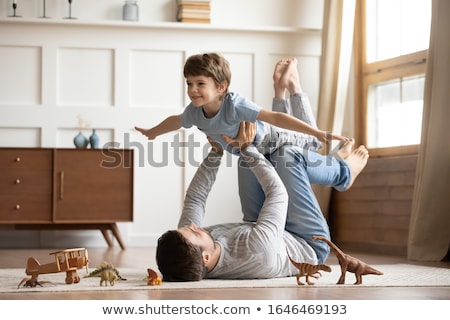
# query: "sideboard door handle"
61,185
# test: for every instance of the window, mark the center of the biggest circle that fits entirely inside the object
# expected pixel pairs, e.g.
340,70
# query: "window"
392,43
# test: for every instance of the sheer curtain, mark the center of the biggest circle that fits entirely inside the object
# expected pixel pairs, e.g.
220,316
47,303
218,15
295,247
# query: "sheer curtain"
429,232
337,46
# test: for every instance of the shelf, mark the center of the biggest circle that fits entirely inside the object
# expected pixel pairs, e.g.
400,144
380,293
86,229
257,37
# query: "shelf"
158,25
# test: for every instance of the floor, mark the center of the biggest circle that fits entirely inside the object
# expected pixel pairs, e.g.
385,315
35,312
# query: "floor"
144,257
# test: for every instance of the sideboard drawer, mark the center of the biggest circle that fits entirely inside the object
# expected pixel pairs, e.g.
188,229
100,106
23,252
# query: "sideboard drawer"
25,209
16,182
17,159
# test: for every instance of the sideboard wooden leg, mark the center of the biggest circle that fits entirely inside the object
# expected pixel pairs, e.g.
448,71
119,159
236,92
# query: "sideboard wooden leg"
116,233
106,236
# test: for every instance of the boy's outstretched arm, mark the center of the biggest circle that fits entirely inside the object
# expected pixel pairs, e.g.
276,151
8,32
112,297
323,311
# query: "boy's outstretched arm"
171,123
289,122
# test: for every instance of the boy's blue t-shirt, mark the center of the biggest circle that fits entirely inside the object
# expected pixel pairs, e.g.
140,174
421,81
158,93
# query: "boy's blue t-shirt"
234,109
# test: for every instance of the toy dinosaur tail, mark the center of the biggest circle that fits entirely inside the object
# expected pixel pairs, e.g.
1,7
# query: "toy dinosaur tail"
371,270
295,263
333,247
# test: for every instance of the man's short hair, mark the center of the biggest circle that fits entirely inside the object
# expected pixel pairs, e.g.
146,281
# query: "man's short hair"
178,259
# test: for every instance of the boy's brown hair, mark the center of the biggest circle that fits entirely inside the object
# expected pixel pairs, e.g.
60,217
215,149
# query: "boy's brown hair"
211,65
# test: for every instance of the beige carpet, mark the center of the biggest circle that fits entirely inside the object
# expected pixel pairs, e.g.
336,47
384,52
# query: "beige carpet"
395,275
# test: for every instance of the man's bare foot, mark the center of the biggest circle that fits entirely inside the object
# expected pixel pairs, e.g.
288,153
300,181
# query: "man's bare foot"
290,79
356,161
344,149
280,68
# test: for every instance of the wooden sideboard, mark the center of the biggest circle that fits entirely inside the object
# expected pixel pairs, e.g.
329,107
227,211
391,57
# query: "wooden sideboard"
44,188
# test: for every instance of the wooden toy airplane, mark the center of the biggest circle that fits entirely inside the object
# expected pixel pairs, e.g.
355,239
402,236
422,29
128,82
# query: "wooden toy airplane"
68,260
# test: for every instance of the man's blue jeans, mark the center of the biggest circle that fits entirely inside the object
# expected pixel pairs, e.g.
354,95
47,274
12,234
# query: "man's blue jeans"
298,168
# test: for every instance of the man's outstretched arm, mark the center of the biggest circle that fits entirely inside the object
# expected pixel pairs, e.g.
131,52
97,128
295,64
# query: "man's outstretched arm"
198,190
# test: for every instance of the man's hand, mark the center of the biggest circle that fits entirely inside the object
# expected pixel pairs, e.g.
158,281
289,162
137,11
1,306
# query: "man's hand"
245,137
216,147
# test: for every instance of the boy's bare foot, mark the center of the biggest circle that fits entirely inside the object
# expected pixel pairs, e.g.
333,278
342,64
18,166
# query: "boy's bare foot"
356,161
290,78
280,68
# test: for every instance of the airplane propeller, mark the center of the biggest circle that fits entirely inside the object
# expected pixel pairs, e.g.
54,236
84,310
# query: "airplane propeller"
87,260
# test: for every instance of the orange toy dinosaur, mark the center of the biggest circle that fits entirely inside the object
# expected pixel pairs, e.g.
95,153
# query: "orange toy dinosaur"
308,270
153,278
349,263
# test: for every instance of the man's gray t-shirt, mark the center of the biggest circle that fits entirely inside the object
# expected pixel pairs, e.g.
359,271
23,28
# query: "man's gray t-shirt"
249,250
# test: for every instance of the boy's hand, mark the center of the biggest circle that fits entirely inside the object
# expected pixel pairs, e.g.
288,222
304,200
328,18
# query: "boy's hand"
245,137
146,132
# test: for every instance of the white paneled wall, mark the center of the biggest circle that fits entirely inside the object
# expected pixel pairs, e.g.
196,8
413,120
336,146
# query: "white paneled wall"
59,77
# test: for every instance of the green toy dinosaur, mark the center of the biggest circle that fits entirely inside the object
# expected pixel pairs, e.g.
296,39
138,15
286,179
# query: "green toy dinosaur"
107,273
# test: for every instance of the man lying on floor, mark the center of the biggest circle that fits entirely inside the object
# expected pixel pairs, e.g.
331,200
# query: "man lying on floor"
280,212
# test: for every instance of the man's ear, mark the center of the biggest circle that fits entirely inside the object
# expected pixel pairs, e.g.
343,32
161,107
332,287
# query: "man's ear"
205,257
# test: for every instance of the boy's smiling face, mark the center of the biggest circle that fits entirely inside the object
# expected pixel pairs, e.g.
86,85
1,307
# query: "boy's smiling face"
203,91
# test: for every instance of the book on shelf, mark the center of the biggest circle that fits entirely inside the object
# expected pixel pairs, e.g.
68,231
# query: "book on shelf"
200,17
193,20
194,11
195,4
193,14
206,7
193,1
